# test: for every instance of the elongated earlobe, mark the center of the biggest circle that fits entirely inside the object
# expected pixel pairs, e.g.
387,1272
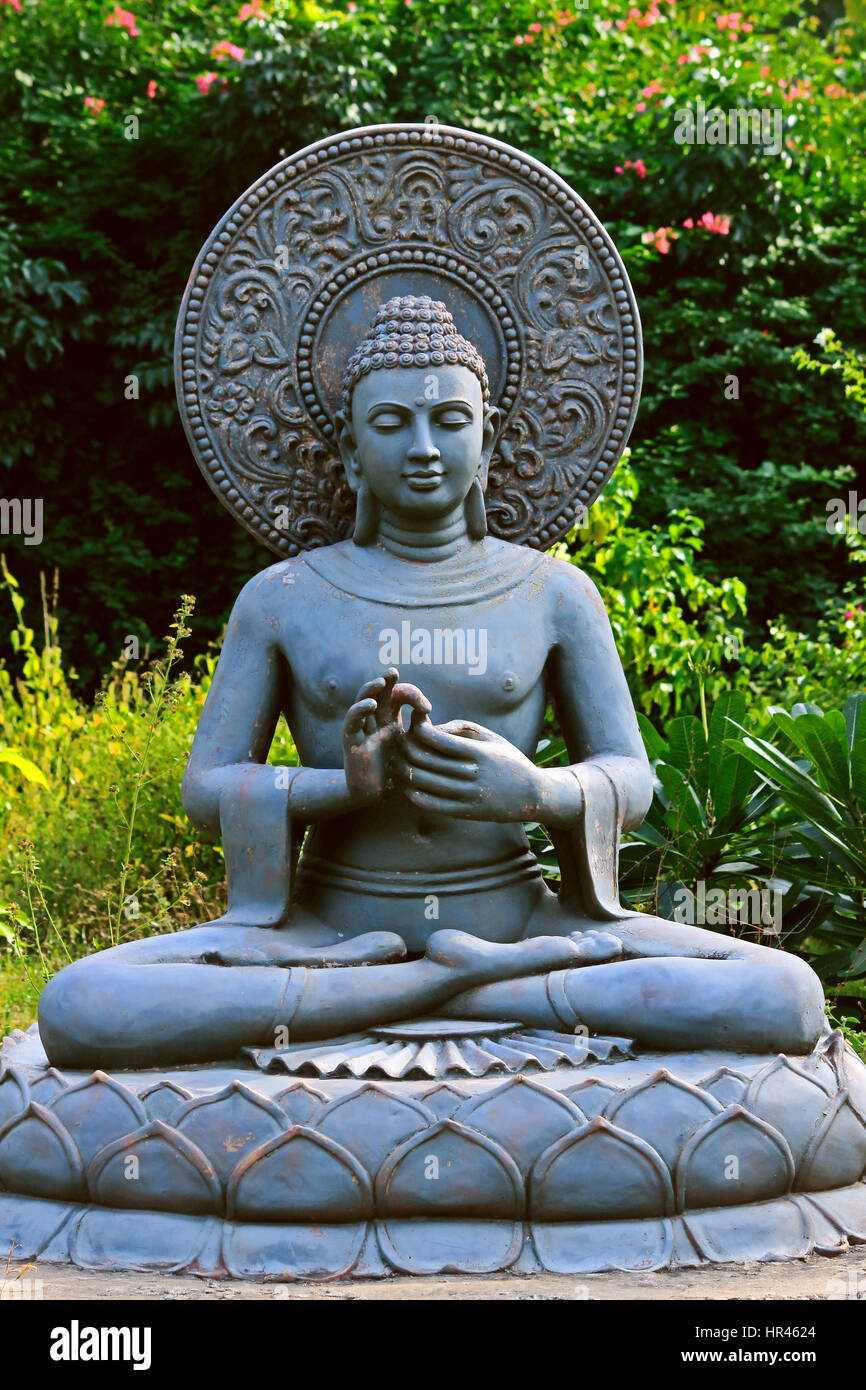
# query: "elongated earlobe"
476,512
366,516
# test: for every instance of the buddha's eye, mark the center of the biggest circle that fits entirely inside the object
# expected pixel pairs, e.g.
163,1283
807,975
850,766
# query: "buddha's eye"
387,420
453,419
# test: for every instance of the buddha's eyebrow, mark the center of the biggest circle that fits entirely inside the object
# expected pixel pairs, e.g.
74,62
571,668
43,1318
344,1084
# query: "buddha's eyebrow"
386,405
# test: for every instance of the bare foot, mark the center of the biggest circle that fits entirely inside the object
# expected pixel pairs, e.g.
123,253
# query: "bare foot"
475,962
277,948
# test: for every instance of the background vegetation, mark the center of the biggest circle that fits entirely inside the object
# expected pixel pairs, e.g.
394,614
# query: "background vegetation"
711,543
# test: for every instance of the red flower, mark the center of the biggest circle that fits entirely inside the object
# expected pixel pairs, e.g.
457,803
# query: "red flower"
124,20
151,88
205,81
228,50
94,104
662,239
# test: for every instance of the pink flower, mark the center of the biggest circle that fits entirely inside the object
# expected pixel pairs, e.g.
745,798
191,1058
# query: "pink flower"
247,11
714,223
617,169
16,4
94,104
689,222
640,168
765,72
527,38
151,89
124,20
535,28
640,106
228,50
651,90
205,81
519,39
662,239
351,6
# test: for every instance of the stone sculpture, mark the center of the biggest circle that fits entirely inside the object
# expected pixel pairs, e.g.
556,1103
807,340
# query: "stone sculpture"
406,357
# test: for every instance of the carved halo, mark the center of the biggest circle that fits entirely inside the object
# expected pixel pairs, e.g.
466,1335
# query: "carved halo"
289,281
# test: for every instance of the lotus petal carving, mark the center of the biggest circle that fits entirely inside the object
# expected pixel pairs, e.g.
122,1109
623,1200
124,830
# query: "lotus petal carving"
664,1111
448,1246
98,1111
29,1225
161,1241
847,1208
444,1100
47,1085
777,1230
592,1097
591,1247
451,1171
735,1158
300,1176
156,1168
282,1253
164,1101
836,1156
726,1086
14,1094
523,1116
229,1123
600,1172
301,1104
790,1099
372,1122
854,1081
38,1157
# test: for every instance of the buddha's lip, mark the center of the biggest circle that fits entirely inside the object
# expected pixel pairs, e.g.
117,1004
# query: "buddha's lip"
424,482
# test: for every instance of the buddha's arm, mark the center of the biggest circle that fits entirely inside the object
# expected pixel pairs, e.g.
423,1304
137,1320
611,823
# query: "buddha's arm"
229,754
594,708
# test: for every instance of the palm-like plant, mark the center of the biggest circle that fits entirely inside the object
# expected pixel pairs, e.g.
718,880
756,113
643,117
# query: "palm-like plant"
819,774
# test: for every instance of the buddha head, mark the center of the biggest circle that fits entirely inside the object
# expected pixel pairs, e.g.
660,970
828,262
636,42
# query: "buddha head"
416,429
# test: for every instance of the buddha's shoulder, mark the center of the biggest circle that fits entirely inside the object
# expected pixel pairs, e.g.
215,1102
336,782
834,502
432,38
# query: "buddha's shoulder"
268,590
571,592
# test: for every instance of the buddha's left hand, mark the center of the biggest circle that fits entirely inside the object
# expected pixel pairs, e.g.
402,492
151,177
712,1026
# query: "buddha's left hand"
462,769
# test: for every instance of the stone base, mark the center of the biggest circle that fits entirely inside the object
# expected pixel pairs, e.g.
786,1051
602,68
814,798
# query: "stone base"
105,1238
652,1162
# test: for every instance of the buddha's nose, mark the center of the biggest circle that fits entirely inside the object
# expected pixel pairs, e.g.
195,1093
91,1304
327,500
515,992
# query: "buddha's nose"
423,449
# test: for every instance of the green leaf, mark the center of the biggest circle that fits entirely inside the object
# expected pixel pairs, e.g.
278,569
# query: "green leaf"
27,768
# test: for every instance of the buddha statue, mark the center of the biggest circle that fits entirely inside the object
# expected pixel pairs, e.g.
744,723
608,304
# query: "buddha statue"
415,876
407,359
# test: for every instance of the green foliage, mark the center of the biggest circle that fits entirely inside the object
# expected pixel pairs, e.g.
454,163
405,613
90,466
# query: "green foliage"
817,764
106,207
97,846
704,823
669,620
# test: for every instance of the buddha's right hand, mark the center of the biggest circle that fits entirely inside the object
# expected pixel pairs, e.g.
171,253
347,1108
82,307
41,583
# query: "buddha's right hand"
372,732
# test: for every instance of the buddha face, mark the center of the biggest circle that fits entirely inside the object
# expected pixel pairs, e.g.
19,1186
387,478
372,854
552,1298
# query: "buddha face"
418,438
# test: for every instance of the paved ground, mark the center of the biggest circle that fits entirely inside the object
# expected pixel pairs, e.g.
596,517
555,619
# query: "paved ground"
817,1278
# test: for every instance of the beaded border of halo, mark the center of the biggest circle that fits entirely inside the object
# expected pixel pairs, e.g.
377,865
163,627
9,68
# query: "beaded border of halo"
524,166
